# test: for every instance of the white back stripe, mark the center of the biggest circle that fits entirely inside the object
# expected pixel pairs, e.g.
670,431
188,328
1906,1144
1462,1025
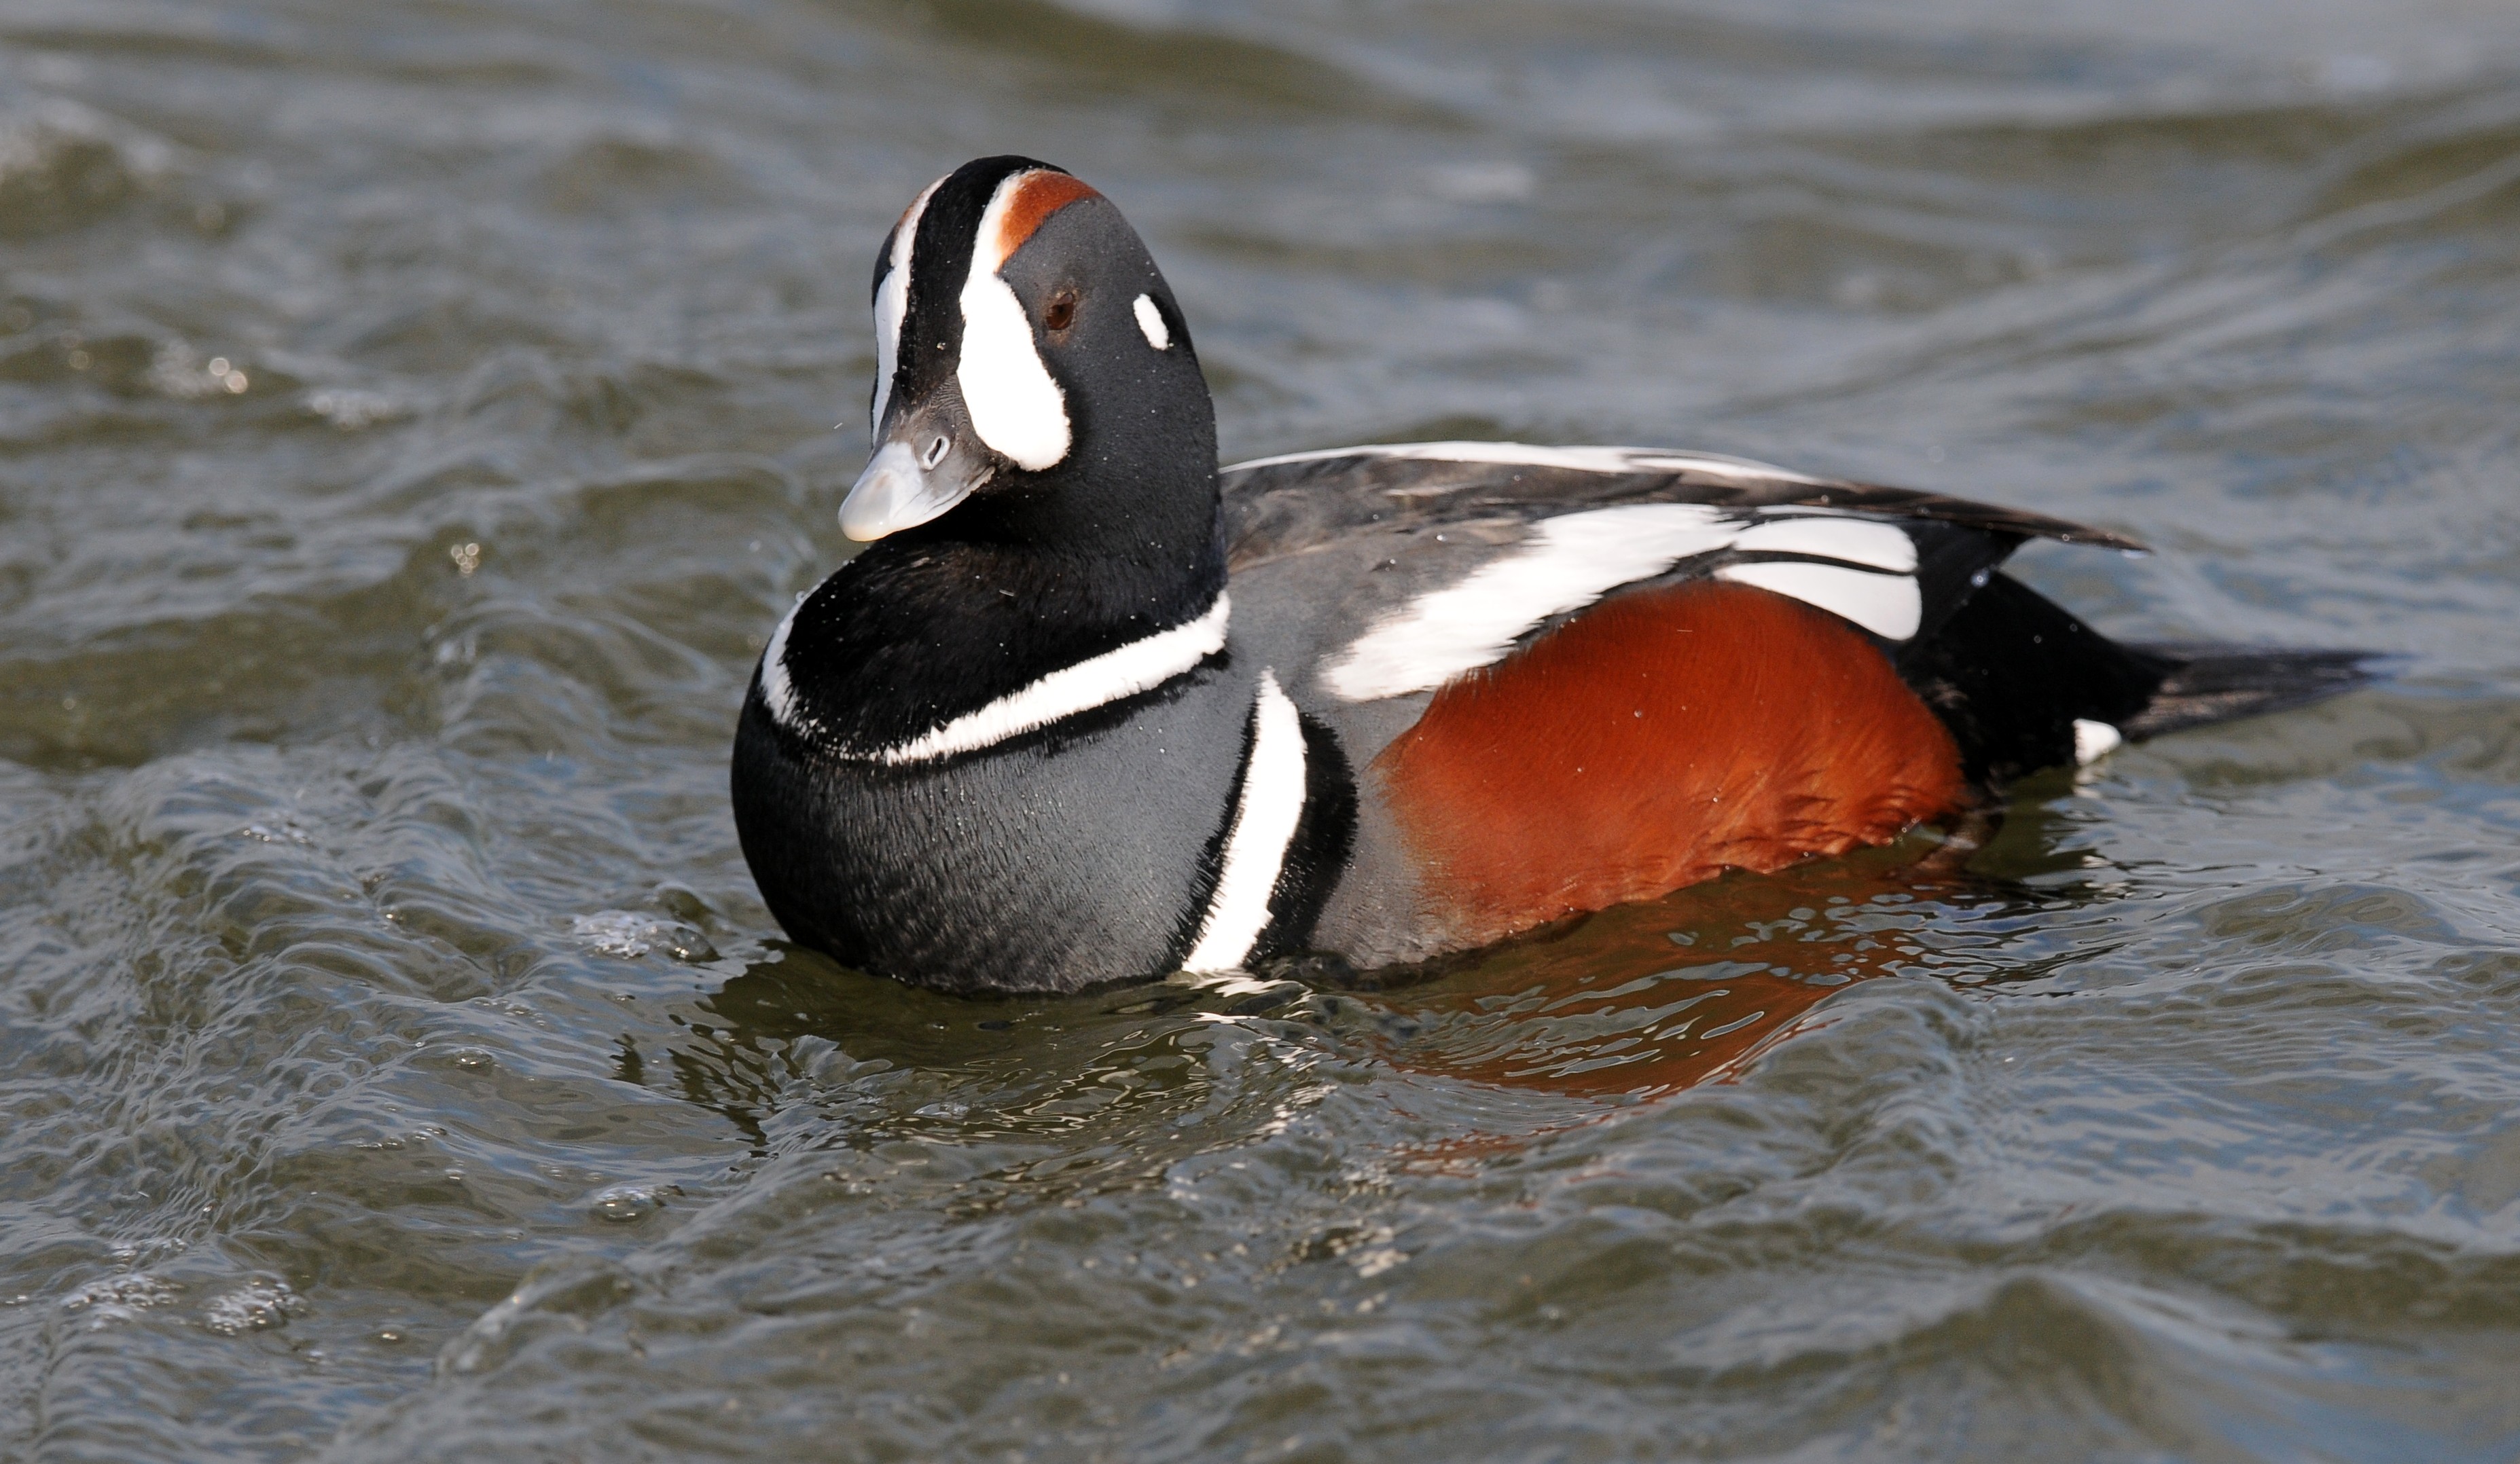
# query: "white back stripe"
1099,681
1574,560
1569,562
1851,541
1886,605
1264,826
1017,407
1522,454
892,304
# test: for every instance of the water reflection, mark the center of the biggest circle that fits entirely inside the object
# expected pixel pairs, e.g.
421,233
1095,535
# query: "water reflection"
800,1045
1650,999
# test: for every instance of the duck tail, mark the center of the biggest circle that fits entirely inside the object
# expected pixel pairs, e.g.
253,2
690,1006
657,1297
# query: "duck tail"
2206,683
2022,684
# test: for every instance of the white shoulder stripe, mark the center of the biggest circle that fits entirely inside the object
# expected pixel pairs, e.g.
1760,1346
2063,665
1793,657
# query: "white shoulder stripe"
1264,826
1521,454
1114,675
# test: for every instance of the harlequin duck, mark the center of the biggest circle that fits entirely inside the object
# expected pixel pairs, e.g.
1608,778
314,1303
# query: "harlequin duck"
1089,709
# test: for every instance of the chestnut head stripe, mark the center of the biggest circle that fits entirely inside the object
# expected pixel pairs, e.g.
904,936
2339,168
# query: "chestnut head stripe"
1030,199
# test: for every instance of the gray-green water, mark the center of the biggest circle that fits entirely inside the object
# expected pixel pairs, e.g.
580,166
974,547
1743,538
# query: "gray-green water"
413,417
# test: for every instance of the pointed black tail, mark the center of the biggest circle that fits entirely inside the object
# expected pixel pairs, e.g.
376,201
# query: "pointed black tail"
2208,684
2010,672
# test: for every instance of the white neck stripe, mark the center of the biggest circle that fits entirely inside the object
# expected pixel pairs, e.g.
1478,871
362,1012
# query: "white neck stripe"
1264,827
1099,681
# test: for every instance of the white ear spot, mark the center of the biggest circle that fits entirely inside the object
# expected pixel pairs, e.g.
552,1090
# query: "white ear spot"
1151,323
1017,407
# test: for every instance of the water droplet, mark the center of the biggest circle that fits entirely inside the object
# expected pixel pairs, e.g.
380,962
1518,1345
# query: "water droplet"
623,1204
252,1308
120,1296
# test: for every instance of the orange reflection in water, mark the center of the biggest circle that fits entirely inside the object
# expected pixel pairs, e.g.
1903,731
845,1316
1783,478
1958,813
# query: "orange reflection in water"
1650,999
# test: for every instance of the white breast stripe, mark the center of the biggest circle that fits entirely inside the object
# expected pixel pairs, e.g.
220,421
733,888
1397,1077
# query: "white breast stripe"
1138,666
1016,406
1518,454
1569,562
2094,740
1151,323
892,303
1264,826
1886,605
776,693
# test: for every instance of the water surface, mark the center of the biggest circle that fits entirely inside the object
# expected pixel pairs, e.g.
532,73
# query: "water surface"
413,417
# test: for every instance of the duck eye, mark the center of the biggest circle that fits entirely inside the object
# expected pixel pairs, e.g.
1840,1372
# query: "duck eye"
936,453
1062,311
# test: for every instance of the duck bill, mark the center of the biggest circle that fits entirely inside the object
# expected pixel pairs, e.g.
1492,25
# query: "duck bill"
896,493
926,460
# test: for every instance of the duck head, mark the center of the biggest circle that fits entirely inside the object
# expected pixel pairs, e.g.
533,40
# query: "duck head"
1035,385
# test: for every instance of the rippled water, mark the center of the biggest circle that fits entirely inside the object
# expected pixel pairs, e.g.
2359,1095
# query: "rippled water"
412,419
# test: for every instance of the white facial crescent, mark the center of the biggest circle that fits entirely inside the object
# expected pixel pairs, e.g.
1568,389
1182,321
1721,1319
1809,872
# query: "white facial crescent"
1016,408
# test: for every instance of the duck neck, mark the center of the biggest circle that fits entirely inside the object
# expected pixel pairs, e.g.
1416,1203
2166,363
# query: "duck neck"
939,621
